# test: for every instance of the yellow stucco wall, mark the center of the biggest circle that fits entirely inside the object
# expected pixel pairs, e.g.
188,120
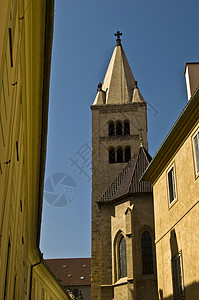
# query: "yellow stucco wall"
23,27
180,218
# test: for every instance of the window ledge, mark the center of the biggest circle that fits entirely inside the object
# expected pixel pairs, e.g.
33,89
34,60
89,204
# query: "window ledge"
121,281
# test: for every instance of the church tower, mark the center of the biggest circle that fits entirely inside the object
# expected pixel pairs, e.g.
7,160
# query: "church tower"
119,122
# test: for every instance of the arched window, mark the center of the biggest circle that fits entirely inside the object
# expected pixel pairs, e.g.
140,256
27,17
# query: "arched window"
126,128
111,156
147,253
122,258
119,128
111,129
119,155
127,154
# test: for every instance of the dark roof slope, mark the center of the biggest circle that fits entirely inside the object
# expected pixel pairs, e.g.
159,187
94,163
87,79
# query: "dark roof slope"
128,180
71,271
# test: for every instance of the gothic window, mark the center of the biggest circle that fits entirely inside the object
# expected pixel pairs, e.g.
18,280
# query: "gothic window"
127,154
196,151
171,185
177,276
126,128
119,128
111,156
111,129
119,155
122,258
147,253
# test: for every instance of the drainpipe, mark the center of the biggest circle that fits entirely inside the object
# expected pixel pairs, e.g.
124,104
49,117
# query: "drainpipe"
31,272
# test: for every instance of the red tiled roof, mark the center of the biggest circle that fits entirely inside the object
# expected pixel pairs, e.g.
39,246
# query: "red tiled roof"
71,271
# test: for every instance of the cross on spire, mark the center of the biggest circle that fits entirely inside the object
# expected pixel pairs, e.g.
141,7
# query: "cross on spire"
118,40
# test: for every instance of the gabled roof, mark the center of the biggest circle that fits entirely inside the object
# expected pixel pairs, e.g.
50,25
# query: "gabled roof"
128,180
71,271
119,86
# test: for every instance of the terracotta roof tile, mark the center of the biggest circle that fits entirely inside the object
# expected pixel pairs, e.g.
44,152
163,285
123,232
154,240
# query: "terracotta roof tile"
71,271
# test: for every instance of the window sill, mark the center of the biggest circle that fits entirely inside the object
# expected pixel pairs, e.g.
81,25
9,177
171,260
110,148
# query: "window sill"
121,281
173,203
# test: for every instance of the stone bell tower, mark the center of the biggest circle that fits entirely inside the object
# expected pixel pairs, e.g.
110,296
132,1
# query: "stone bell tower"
119,118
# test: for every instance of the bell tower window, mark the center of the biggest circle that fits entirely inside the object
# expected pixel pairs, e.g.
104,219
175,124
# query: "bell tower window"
119,155
111,129
126,128
127,154
111,156
119,128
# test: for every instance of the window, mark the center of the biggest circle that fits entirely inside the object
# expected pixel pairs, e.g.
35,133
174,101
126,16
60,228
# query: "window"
43,294
196,151
126,128
171,185
147,253
177,276
111,129
119,128
111,156
7,271
122,258
10,44
119,155
75,292
127,154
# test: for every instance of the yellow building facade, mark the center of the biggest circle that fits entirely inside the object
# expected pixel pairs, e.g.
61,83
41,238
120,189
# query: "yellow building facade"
174,173
26,31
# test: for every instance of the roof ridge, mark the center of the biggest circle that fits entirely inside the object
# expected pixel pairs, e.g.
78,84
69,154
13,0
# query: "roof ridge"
117,181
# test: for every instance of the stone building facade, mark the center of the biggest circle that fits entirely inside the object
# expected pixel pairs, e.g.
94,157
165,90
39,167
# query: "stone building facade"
174,173
120,214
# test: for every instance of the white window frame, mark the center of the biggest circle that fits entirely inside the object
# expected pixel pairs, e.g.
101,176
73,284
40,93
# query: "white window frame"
173,185
195,158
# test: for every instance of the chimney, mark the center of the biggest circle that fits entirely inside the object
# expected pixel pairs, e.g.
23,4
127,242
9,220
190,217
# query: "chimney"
192,78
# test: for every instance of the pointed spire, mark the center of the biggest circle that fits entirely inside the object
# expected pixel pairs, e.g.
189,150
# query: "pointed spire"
119,86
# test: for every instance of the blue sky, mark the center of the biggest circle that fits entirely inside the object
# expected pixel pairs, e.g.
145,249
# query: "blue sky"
159,37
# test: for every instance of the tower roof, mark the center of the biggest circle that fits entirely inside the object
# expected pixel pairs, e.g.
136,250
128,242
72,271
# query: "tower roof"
119,86
128,180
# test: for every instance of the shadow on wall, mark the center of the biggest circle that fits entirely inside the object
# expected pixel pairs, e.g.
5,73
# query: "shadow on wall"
191,292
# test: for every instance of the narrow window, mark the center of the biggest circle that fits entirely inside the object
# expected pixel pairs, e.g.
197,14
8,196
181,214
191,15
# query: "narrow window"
126,128
111,129
119,155
147,253
122,258
171,185
10,44
196,151
7,271
17,150
111,156
119,128
76,292
177,276
127,154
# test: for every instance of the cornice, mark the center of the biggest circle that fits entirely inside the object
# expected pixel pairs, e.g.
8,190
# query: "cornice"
119,138
107,108
178,133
